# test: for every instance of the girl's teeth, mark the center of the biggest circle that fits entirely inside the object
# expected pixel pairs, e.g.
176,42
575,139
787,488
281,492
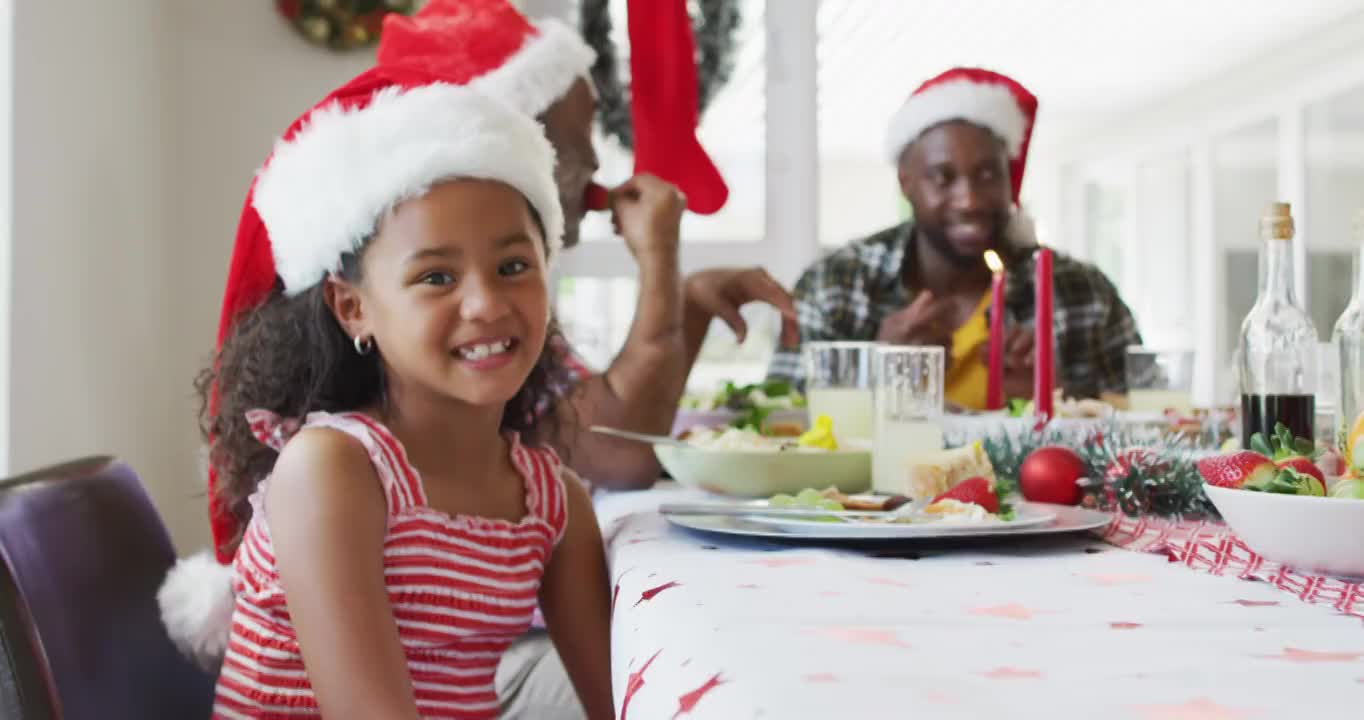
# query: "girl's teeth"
479,352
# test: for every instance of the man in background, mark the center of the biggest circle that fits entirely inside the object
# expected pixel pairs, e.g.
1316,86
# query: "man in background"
960,145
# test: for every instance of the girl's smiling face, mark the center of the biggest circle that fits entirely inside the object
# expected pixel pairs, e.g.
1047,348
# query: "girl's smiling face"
453,292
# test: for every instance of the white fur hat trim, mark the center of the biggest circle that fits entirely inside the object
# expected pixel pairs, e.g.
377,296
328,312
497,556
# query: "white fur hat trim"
323,191
989,105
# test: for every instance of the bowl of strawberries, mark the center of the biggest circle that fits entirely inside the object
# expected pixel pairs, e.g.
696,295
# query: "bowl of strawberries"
1276,497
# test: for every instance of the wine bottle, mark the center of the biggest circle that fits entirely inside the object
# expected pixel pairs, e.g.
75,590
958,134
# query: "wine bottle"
1348,338
1278,345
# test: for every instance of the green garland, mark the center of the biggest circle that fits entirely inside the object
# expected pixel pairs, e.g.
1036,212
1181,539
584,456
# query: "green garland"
715,28
1135,473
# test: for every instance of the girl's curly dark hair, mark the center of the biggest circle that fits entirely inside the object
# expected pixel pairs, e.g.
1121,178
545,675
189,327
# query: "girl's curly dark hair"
291,356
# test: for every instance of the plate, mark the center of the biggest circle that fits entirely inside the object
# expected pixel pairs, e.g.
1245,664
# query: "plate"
1053,519
1023,518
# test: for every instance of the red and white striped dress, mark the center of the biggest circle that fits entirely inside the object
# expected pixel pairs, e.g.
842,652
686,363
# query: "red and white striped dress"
462,588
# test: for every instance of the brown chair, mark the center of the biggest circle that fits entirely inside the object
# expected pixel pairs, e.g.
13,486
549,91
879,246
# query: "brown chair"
83,554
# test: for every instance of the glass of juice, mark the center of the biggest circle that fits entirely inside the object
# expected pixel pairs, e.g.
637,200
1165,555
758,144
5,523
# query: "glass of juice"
1160,380
908,410
838,383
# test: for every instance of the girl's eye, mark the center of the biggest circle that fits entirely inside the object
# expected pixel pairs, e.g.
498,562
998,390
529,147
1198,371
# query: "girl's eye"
437,278
513,267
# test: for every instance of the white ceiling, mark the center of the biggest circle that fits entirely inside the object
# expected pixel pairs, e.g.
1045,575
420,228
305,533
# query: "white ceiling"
1082,58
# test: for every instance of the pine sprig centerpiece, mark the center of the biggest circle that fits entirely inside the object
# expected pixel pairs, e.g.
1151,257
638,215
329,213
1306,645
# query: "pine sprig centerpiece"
1133,471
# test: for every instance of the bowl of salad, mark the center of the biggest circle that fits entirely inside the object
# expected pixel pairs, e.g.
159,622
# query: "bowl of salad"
758,406
1286,508
741,462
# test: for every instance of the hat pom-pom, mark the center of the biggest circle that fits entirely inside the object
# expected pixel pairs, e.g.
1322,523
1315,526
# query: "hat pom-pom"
196,602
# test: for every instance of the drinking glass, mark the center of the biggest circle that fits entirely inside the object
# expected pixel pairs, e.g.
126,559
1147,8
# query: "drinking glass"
838,383
908,408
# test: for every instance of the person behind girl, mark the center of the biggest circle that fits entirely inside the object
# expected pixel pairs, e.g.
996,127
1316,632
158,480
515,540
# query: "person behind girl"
376,420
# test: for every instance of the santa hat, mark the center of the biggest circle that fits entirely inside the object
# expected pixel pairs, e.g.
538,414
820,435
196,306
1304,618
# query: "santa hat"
333,174
993,101
489,45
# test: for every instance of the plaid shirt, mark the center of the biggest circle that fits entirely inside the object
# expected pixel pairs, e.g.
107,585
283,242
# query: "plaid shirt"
845,296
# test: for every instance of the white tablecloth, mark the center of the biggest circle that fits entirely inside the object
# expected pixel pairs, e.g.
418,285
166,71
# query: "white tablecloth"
710,627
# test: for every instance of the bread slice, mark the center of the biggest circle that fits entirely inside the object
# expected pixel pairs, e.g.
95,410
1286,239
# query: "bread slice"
930,475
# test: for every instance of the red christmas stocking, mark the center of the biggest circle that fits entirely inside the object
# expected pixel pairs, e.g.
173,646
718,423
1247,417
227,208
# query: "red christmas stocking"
664,103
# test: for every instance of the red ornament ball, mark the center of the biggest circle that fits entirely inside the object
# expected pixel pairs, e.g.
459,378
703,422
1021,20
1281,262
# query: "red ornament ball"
1049,475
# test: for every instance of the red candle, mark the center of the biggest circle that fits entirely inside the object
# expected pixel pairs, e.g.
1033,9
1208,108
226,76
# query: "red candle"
994,390
1043,372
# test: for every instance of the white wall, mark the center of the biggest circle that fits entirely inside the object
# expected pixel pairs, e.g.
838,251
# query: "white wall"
88,331
136,128
239,75
6,178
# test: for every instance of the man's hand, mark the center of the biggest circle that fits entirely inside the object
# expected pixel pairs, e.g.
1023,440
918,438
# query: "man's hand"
927,321
1018,362
720,292
647,212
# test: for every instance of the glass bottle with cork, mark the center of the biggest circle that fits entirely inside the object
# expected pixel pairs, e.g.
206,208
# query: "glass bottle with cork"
1278,346
1348,338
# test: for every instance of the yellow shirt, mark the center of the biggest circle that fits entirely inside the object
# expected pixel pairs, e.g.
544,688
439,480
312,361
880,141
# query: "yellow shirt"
967,374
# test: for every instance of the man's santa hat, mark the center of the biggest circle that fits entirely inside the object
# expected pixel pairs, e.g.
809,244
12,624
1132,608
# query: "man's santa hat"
489,45
988,99
339,167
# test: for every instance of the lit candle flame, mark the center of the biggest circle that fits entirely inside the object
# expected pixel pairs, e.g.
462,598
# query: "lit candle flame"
992,259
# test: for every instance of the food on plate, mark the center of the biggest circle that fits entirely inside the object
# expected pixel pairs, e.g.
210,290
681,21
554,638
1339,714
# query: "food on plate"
1289,452
971,501
956,511
783,429
821,435
807,498
728,437
974,491
752,402
931,474
1348,489
1249,470
1353,446
1063,407
1236,469
875,503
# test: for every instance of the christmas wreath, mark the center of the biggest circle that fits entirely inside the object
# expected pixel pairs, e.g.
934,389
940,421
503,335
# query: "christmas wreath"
714,27
341,24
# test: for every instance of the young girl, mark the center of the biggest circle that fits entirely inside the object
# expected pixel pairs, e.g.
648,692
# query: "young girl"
375,419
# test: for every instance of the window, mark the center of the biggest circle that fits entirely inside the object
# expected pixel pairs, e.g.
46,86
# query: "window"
1244,182
597,291
1161,253
1105,213
858,190
1335,192
732,131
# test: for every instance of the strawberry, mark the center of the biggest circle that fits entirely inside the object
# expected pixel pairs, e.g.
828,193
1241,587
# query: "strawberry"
975,490
1287,481
1236,469
1287,451
1306,467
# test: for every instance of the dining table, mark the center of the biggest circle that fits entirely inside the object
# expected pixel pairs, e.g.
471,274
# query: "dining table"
1140,619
